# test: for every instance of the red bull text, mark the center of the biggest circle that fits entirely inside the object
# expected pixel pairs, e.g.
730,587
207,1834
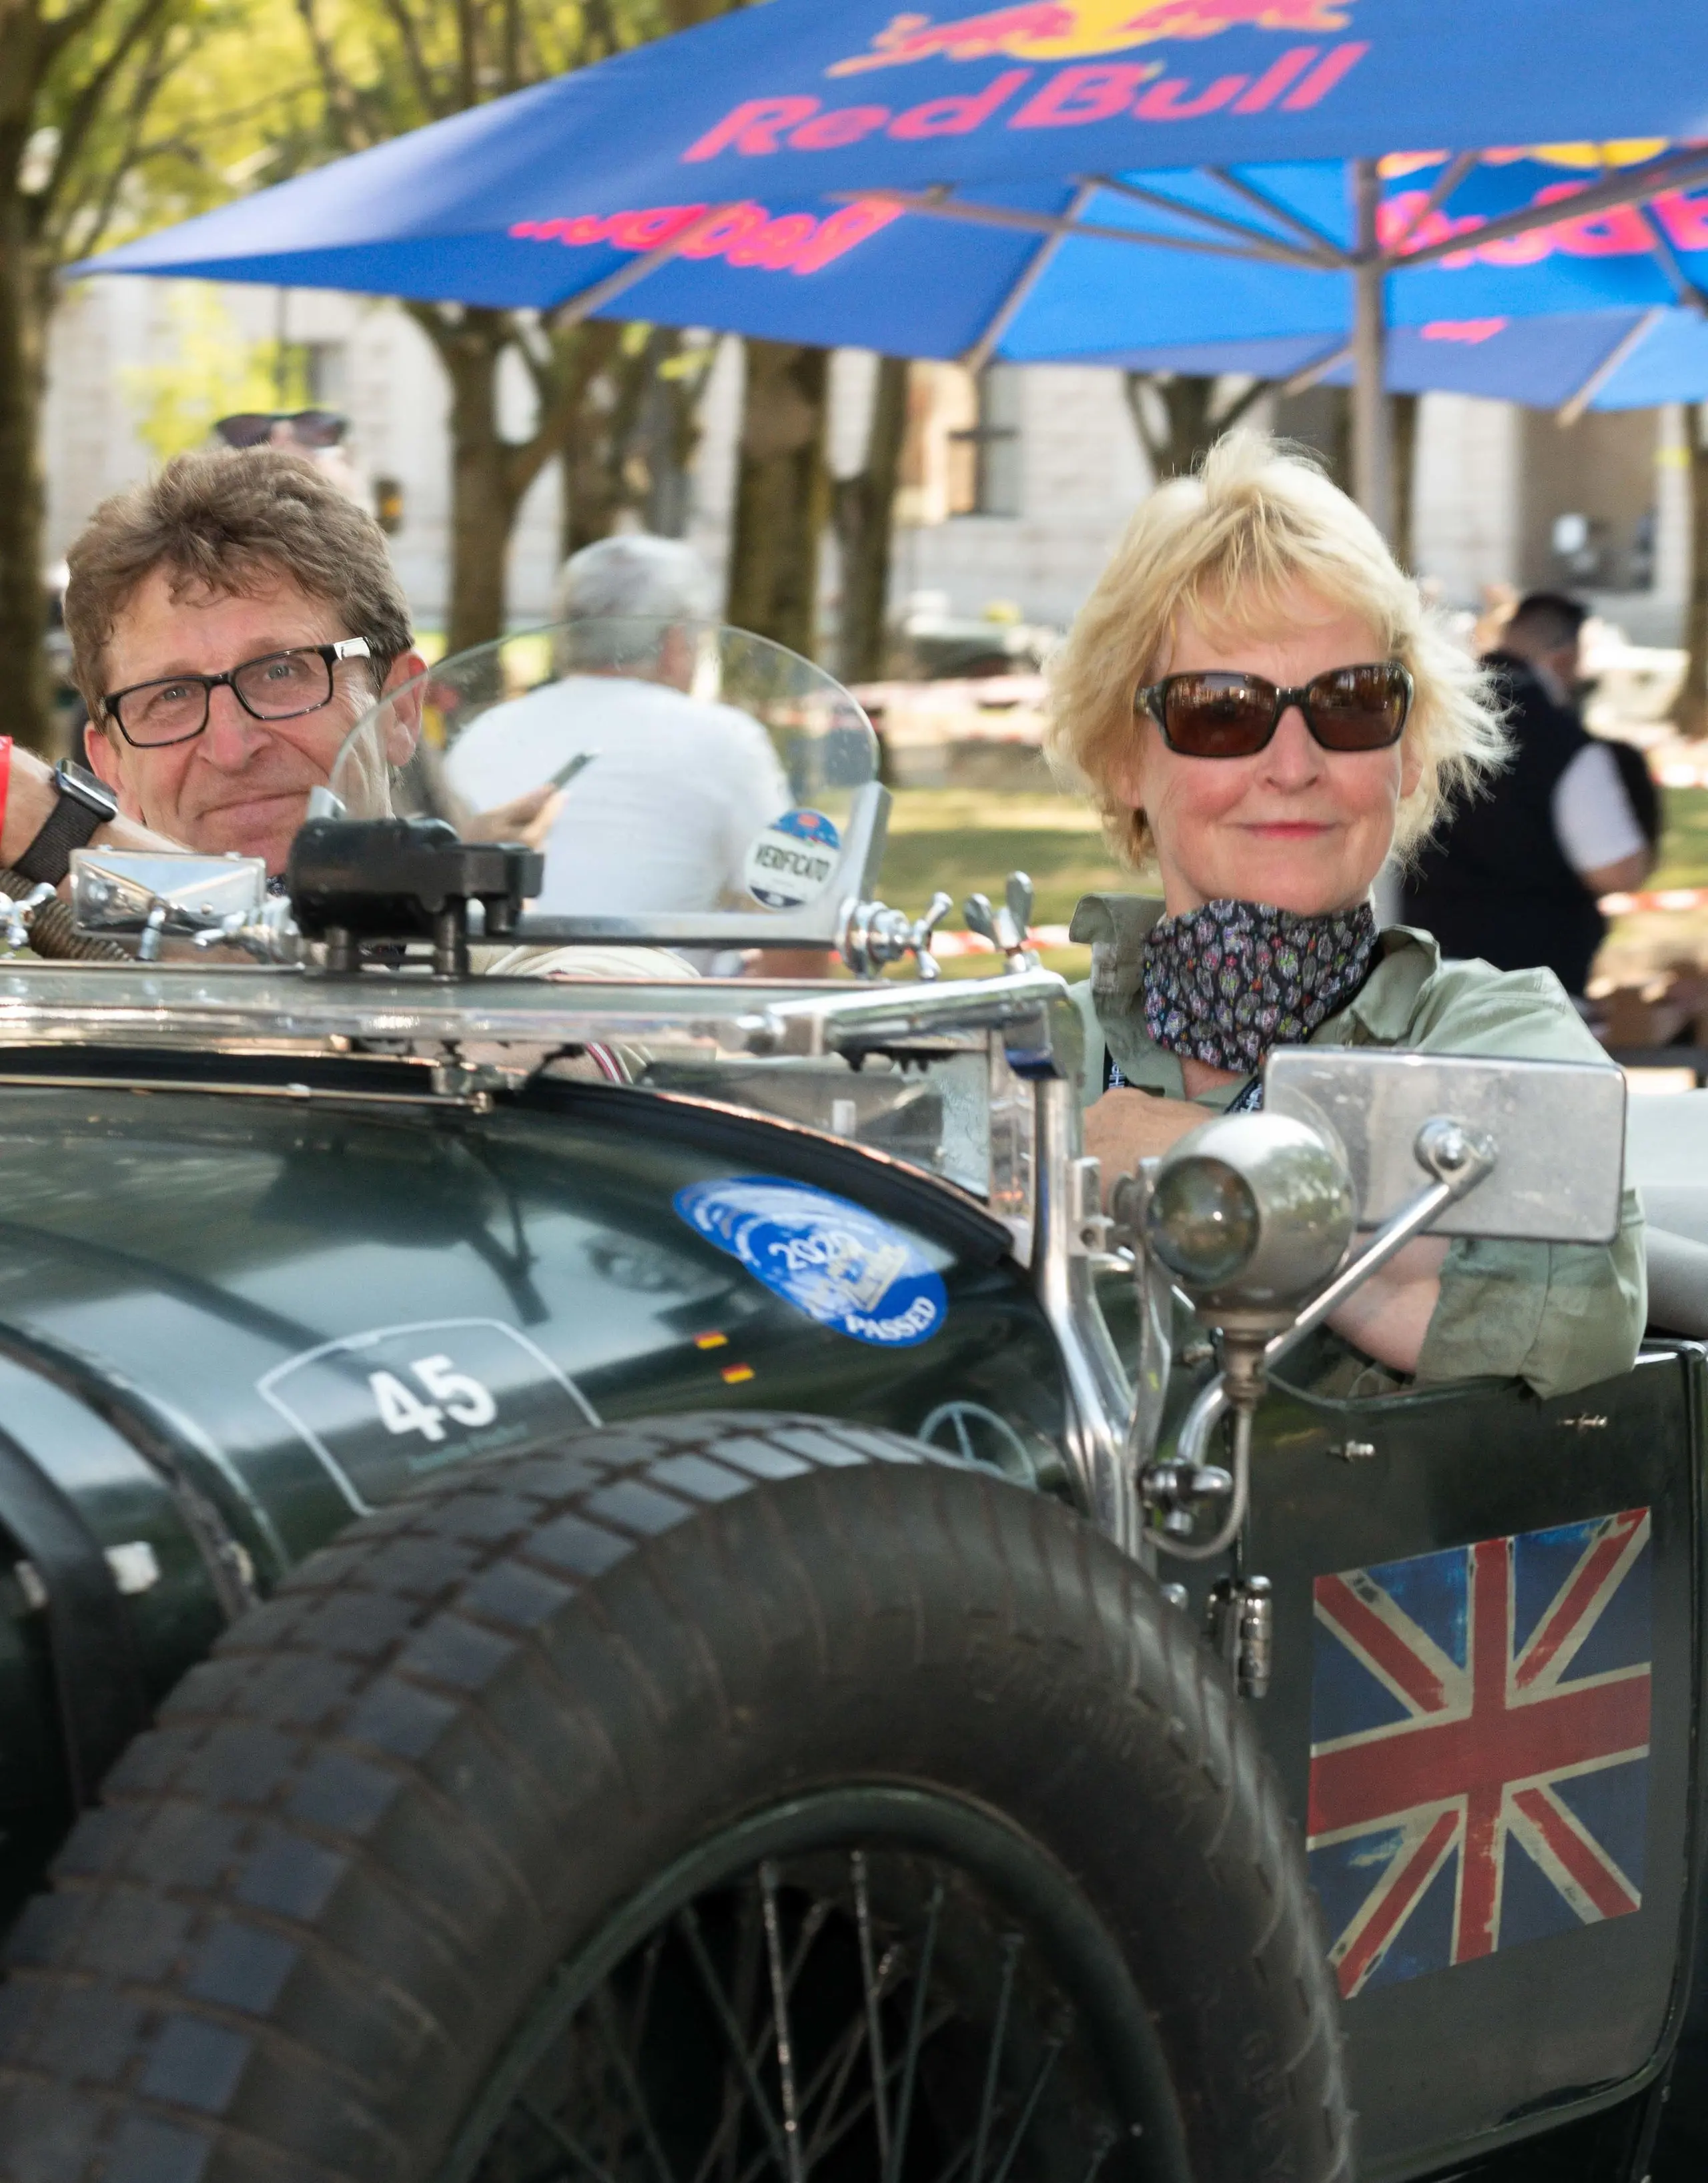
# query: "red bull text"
1469,331
744,234
1061,98
1620,232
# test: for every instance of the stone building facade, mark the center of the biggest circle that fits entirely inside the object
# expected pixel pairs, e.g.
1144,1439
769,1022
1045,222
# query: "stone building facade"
1015,492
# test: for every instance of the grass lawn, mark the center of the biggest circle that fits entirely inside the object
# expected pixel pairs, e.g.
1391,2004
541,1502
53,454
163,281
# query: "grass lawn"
1684,850
969,840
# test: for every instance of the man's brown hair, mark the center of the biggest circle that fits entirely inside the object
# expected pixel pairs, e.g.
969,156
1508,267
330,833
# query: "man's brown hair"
232,523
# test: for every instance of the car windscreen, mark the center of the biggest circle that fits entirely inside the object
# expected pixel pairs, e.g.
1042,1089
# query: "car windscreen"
684,783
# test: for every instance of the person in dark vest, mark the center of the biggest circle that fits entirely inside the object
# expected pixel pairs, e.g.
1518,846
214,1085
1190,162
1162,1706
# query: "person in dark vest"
1514,875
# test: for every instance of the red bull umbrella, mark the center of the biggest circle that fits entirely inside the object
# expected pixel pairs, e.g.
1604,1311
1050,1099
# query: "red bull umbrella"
1050,177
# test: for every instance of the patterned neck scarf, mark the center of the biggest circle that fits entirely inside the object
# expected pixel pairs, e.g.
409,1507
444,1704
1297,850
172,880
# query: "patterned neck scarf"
1224,984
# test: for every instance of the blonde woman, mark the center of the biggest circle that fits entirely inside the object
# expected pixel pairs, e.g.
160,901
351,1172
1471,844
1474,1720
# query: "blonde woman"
1264,709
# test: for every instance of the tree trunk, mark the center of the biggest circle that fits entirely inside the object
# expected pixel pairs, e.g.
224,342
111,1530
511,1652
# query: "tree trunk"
782,495
483,504
1183,418
670,432
863,508
25,300
607,467
1173,416
1402,413
1690,713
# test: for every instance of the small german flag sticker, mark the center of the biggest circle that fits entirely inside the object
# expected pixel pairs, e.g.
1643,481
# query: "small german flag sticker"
733,1374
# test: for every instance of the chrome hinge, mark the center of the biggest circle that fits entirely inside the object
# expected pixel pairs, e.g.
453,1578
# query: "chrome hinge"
1088,1225
1240,1625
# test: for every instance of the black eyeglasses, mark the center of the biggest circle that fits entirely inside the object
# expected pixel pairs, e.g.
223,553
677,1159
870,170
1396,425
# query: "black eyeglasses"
279,686
309,428
1214,714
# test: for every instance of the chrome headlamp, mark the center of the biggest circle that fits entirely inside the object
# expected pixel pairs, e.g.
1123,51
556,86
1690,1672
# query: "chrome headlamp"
1250,1214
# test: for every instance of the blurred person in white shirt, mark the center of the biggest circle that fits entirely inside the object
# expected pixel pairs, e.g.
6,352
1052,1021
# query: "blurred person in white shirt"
674,789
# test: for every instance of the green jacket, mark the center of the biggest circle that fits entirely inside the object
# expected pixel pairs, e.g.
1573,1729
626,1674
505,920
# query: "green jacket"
1558,1315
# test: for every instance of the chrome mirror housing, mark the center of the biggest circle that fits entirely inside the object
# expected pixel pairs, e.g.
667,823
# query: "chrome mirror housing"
207,900
118,889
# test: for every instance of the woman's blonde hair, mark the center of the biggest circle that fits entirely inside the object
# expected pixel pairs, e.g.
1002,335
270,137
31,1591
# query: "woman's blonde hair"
1221,548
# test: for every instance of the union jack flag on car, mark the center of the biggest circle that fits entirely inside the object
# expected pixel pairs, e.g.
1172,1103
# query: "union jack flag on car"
1479,1758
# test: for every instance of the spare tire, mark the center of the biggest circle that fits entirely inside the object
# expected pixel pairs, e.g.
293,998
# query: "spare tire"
718,1800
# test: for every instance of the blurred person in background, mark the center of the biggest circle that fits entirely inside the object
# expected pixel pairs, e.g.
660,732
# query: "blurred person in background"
674,788
1514,875
317,434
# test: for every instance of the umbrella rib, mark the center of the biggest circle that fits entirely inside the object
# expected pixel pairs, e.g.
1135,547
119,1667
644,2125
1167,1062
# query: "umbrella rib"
935,203
1261,201
1667,258
1632,339
1453,174
1315,258
1319,368
1688,293
975,359
571,311
1669,174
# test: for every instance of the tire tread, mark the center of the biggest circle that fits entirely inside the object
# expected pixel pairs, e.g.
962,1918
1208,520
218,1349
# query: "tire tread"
275,1921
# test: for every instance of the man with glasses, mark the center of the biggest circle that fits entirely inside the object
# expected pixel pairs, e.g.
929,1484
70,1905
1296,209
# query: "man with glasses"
229,621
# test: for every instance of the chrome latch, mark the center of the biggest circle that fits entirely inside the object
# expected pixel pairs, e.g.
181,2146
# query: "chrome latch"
1088,1225
21,915
1006,929
1174,1492
873,935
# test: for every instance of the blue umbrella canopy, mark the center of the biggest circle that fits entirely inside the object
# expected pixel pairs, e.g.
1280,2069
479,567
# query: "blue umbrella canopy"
783,103
1043,178
1036,271
1595,360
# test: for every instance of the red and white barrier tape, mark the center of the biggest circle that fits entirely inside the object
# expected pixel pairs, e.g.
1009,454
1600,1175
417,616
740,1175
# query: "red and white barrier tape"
950,944
1622,905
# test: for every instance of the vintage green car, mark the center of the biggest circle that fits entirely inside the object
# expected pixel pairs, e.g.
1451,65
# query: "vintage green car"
589,1585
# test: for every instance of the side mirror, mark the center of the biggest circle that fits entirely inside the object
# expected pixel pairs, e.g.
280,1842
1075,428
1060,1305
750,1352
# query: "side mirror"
1555,1130
132,890
209,901
1253,1215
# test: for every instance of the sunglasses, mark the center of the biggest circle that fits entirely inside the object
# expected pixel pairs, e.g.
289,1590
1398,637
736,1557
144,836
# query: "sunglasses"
1214,714
309,428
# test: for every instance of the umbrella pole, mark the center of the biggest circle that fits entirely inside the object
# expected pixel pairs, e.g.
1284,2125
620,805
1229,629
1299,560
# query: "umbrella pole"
1372,465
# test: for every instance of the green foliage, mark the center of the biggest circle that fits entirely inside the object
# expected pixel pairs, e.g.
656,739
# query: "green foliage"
213,373
148,111
389,65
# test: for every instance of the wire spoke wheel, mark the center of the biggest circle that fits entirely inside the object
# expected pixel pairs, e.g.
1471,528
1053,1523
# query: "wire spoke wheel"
852,2010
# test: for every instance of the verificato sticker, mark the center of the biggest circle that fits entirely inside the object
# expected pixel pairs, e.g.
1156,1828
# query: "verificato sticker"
827,1257
792,862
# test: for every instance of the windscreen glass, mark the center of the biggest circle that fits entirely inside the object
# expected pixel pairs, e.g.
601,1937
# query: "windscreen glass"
659,767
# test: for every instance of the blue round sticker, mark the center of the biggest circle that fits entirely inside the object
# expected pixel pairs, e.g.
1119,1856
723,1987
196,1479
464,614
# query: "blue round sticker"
827,1257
